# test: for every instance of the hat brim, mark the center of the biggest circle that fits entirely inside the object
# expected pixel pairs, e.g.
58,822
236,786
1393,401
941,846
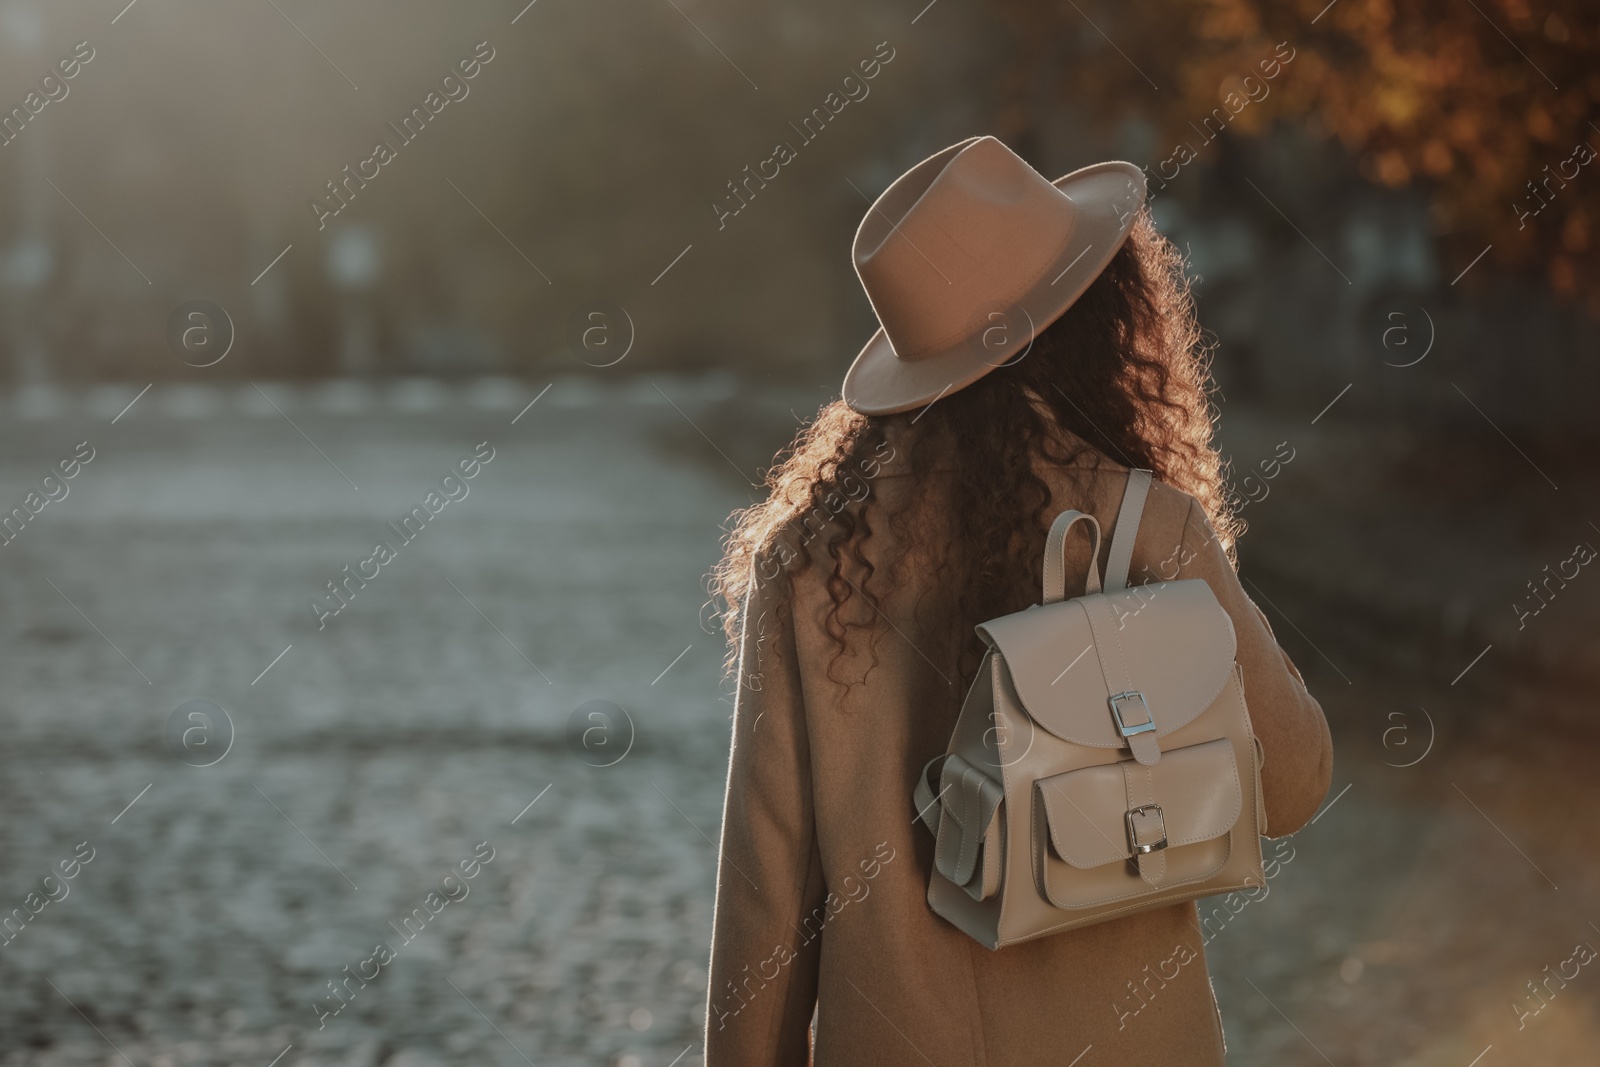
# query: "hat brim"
881,383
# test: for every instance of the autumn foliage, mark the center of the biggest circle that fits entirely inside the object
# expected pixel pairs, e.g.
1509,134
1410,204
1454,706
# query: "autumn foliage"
1490,106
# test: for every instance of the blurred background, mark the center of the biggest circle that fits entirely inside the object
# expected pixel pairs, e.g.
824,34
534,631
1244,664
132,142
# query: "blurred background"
270,270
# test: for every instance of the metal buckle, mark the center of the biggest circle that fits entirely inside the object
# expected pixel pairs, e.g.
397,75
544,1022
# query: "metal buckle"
1133,835
1139,727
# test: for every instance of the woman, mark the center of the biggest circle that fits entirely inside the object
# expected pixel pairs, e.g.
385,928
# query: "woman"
1038,340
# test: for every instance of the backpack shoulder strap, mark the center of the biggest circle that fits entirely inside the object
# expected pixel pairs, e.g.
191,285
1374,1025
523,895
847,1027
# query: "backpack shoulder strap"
1127,529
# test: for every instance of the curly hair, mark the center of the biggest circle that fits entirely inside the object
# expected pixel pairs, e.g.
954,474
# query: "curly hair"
1124,370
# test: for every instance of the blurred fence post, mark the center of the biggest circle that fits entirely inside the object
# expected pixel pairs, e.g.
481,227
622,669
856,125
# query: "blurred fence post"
354,267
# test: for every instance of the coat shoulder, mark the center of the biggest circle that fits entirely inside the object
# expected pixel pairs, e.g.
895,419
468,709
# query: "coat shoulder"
1171,519
1102,481
1169,505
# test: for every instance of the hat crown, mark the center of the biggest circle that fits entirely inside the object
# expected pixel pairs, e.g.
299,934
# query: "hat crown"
967,256
956,240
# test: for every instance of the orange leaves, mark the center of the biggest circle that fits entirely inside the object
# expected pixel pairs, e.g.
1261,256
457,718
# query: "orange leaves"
1467,100
1392,168
1437,158
1539,124
1575,231
1555,29
1398,106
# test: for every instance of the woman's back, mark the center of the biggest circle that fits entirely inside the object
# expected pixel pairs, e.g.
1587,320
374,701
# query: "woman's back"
825,864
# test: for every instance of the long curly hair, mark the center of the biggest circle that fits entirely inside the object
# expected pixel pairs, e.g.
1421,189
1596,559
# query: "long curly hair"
1124,370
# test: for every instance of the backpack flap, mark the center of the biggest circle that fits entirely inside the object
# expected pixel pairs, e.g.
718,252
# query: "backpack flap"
1163,651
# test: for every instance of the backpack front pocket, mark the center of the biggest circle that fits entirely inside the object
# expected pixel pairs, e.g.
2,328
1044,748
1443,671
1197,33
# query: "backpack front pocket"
1125,829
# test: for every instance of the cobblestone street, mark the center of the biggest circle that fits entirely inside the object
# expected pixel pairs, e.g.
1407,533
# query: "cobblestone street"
224,904
377,752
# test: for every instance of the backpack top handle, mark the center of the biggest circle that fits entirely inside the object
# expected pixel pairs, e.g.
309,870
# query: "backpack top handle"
1055,564
1116,574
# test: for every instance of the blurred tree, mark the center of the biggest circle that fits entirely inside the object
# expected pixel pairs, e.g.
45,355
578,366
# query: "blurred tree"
1491,106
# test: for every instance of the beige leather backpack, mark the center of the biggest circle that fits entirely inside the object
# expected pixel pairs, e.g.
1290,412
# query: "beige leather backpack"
1103,762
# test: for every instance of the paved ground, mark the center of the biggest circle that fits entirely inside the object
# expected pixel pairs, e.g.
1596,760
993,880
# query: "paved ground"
379,752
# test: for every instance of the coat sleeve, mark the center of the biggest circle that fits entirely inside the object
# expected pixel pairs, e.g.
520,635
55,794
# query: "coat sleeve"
1286,719
763,984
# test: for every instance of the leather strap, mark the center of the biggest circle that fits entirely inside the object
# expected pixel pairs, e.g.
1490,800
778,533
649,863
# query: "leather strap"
1127,529
923,796
1140,786
966,827
968,812
1055,564
1144,746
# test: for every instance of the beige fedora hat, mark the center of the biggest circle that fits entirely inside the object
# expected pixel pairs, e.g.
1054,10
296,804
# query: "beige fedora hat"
967,256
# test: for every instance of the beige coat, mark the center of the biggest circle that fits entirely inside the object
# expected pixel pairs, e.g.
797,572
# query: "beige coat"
824,869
